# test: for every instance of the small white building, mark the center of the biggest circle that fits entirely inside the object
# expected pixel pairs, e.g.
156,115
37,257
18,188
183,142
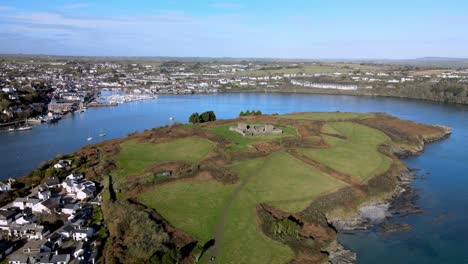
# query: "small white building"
62,164
82,233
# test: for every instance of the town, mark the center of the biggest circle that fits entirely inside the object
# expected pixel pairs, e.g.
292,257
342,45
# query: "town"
56,222
44,89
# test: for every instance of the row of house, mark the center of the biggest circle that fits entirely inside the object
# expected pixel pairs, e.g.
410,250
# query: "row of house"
36,241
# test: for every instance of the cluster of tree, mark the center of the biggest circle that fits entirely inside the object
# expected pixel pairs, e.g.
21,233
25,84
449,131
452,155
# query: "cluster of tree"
450,91
250,113
207,116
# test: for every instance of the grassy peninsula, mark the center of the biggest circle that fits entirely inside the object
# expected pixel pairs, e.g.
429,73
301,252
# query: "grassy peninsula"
195,193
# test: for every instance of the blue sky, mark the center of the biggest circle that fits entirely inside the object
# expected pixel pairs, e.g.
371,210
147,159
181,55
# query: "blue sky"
357,29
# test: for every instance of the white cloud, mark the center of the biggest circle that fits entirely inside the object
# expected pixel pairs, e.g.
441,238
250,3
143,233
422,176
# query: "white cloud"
4,8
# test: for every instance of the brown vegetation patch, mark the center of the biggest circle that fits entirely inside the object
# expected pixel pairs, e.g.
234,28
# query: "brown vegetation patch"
266,147
307,244
175,167
221,174
402,130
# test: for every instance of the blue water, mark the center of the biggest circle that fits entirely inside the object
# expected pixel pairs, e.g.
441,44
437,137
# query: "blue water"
439,235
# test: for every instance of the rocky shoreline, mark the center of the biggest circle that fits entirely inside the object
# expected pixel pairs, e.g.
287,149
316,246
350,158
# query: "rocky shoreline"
402,203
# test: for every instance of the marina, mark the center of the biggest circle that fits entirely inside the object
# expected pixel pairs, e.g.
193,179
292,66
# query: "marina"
126,98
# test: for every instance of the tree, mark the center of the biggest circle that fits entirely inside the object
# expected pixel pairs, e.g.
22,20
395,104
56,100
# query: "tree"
194,118
241,113
247,113
207,116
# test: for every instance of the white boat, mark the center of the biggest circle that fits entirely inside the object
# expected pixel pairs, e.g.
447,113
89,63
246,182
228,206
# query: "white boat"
101,133
11,129
89,139
171,118
24,128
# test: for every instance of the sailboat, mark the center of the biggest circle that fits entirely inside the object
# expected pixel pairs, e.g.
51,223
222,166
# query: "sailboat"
102,134
89,139
27,127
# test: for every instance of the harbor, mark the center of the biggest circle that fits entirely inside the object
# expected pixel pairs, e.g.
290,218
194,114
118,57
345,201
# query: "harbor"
126,98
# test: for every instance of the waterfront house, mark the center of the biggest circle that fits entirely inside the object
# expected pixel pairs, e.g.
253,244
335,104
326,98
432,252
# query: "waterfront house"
5,186
63,164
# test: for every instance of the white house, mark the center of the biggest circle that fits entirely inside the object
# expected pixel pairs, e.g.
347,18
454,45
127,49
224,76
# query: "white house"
79,188
62,164
25,202
8,216
46,207
44,195
82,233
70,209
5,186
8,89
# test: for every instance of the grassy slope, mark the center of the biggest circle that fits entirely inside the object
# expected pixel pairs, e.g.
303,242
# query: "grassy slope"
358,156
279,179
135,157
242,143
191,206
327,116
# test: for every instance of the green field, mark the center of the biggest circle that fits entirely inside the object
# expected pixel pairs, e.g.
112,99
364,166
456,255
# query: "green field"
242,143
309,69
357,156
279,179
327,116
191,206
135,157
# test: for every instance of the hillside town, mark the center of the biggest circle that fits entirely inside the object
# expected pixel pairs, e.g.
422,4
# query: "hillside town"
44,90
54,223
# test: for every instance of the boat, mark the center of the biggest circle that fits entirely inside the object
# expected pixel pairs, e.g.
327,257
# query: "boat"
102,134
89,139
11,129
24,128
36,120
54,119
171,118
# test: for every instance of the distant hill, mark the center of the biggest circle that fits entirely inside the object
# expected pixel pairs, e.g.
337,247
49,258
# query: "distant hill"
438,62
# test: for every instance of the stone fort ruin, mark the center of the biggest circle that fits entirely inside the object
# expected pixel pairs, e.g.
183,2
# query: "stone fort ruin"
247,130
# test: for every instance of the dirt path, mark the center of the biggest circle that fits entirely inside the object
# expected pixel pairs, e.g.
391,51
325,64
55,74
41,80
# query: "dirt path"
219,231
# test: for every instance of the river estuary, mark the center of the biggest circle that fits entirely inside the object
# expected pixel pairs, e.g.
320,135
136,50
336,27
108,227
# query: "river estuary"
438,235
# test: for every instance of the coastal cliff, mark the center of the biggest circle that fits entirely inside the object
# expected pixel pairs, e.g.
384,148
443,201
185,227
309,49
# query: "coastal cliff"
400,201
